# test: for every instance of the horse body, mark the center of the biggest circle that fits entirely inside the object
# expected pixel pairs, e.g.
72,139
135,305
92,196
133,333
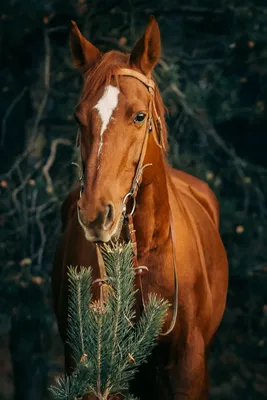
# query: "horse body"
176,215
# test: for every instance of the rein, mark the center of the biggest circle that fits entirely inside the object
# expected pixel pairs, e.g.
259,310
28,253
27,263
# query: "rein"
127,218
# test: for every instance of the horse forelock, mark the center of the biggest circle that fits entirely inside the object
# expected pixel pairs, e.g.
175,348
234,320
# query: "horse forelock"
103,72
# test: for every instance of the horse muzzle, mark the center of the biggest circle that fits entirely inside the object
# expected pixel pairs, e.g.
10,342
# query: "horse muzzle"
100,228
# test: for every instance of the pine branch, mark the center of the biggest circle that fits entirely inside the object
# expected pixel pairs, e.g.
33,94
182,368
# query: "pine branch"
121,277
148,327
106,345
143,338
80,289
99,349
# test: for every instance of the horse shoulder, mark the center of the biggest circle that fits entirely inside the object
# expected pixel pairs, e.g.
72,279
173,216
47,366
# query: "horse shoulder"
202,258
201,191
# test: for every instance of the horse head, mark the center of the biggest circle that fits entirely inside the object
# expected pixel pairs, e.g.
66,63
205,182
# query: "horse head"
119,106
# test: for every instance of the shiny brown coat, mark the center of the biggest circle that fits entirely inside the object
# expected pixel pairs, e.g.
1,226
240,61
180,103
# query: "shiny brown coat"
177,369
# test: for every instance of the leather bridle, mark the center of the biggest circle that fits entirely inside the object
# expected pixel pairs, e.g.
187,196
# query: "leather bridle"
127,217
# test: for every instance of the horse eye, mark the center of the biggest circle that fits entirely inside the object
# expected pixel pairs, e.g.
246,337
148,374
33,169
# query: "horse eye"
140,117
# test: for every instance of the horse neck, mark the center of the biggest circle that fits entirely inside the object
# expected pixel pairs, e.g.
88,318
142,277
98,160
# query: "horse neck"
152,217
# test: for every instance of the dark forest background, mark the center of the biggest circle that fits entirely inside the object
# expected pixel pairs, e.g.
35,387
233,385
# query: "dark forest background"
213,78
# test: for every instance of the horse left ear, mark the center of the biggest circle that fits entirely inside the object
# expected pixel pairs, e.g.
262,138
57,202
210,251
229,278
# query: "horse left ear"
146,53
84,54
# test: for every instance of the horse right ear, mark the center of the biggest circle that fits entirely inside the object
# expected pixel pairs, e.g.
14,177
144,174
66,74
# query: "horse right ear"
84,54
146,53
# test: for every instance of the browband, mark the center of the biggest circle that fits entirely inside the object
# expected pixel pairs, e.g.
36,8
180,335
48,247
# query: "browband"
138,75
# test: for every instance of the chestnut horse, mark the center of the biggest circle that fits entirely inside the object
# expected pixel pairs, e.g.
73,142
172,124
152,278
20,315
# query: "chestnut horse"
123,141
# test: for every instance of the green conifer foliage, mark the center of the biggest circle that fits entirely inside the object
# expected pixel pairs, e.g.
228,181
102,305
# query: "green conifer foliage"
108,344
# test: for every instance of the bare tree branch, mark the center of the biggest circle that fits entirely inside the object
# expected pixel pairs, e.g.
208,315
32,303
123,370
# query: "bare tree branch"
9,111
50,161
47,66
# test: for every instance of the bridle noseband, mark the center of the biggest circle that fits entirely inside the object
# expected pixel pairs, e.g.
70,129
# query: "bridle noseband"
127,217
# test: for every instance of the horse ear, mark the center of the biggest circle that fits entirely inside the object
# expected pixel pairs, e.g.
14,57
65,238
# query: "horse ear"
84,54
146,53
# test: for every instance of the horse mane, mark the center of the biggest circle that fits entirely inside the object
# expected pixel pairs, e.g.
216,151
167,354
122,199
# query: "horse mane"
102,73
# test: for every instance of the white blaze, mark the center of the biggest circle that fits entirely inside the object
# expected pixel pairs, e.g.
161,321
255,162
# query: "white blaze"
105,107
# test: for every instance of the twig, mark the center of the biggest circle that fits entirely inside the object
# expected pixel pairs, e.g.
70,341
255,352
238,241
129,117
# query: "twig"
46,86
43,239
115,42
16,164
33,205
8,112
61,28
203,61
186,9
24,181
50,161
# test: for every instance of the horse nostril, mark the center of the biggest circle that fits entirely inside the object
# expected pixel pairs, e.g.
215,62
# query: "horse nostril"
109,216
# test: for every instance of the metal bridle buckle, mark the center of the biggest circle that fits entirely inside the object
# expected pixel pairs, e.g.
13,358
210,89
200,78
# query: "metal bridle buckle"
128,195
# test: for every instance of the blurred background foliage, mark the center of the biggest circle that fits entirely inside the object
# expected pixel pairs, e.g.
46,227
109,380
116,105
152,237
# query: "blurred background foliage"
213,78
